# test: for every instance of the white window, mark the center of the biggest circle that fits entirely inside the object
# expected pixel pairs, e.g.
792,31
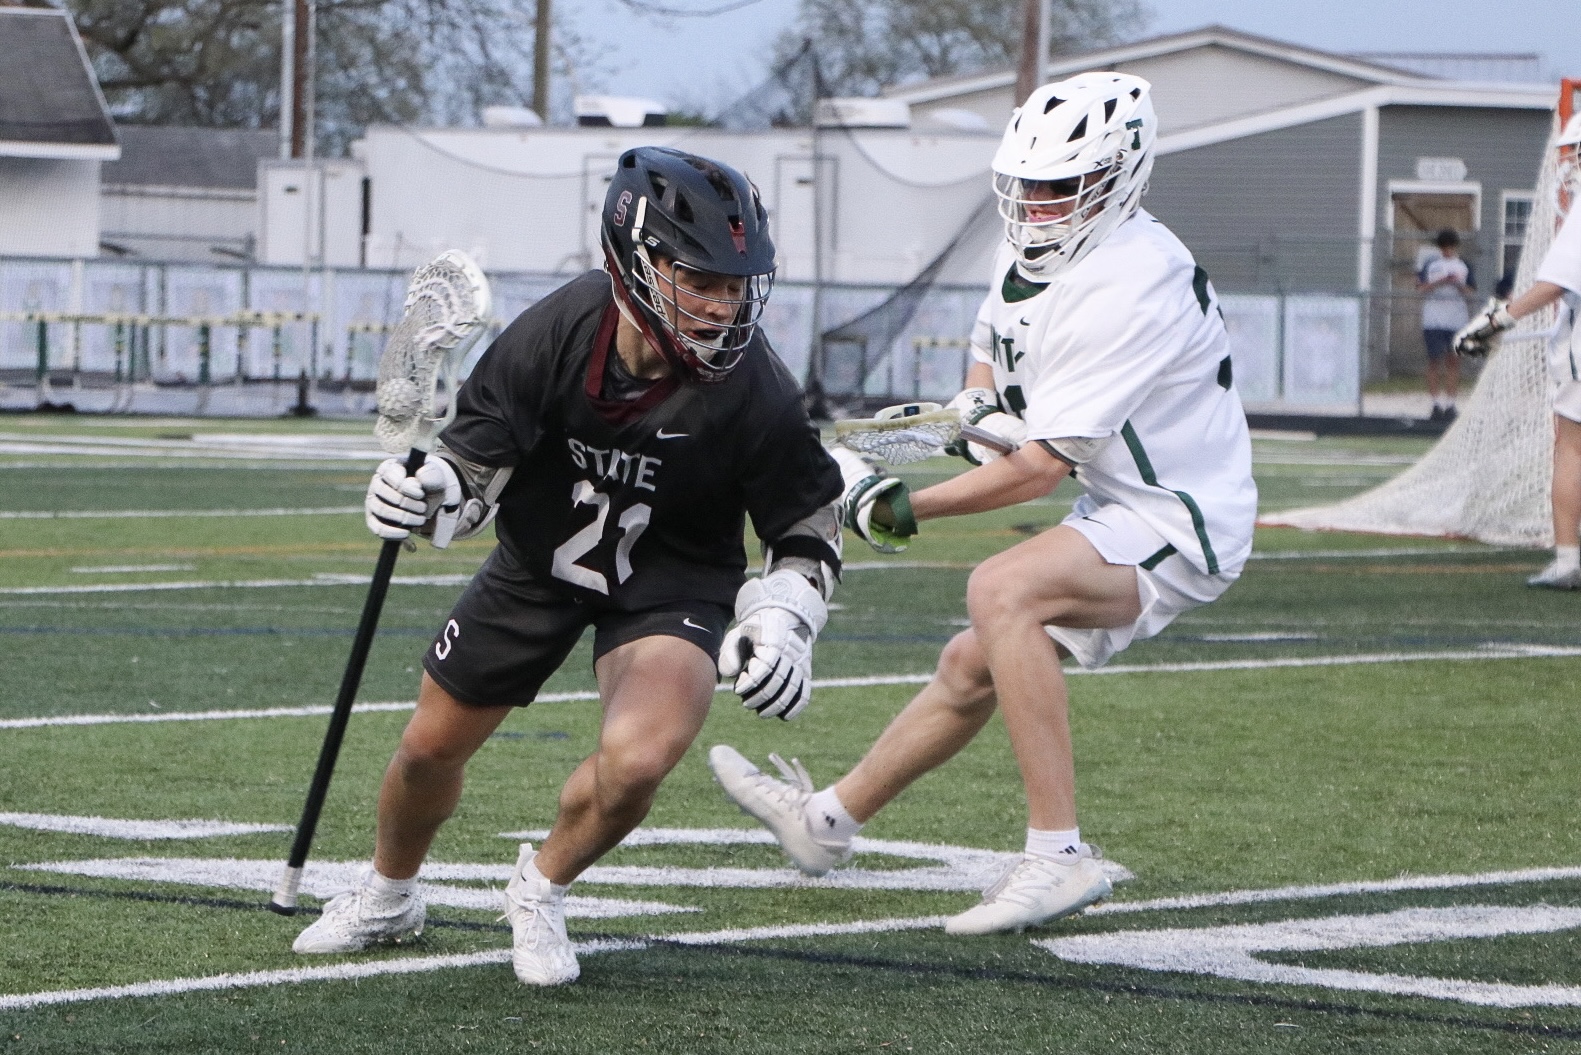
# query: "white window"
1517,212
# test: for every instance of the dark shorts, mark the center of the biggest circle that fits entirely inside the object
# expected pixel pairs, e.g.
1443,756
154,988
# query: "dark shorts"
509,632
1438,342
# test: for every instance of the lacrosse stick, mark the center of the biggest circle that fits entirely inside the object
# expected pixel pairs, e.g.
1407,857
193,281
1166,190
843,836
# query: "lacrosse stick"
911,432
447,304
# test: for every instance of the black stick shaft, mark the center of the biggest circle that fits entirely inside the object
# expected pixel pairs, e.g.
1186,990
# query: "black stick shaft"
285,895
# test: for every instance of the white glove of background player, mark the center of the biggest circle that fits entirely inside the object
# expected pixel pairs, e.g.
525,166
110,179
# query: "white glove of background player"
866,485
769,653
398,504
1480,336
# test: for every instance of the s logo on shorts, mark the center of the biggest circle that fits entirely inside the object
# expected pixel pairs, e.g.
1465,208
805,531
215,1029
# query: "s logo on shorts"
447,639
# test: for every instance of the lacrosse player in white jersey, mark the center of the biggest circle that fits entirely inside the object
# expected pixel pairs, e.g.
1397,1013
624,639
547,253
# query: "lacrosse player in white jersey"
1558,278
1101,352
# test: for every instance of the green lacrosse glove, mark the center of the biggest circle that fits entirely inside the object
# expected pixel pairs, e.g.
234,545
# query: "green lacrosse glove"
875,505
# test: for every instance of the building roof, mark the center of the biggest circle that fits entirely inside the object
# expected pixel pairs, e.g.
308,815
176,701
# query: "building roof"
1366,70
186,156
50,103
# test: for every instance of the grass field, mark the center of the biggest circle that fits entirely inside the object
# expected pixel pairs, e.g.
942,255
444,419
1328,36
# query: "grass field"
1346,794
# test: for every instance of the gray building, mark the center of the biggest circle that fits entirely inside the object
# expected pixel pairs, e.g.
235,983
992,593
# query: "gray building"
184,193
54,133
1292,170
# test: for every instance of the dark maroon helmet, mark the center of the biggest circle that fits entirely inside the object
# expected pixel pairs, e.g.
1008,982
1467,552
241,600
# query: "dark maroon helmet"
703,216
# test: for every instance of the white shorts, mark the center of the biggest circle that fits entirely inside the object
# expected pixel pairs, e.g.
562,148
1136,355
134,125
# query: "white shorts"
1171,586
1567,400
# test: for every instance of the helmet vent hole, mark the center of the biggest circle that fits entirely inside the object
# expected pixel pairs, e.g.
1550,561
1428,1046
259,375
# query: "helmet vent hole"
1079,131
1136,93
659,183
1108,108
1053,102
683,209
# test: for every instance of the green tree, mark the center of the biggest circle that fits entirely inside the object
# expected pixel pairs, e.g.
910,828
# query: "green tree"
217,62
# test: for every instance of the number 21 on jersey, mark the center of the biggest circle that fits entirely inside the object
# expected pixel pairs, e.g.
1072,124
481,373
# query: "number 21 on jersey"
630,525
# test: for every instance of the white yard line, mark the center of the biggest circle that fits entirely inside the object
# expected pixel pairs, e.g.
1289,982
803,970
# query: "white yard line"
143,514
423,964
1492,650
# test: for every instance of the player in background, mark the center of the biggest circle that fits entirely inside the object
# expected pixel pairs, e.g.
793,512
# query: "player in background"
1100,349
1558,278
622,429
1444,280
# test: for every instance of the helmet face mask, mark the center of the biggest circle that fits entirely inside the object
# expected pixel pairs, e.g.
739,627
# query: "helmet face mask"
1072,166
687,246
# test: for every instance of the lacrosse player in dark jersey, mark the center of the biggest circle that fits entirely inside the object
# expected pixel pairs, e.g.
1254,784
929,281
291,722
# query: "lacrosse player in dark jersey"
618,433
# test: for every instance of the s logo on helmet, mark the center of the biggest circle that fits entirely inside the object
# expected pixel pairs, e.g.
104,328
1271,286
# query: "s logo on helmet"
620,208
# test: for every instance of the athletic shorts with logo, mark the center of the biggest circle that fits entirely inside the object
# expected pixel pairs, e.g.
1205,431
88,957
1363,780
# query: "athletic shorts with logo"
510,631
1167,583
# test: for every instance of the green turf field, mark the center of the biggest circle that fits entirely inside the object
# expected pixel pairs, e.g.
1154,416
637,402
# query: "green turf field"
1346,793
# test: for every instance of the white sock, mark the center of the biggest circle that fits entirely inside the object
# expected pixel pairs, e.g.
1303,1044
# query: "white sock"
384,886
1064,847
532,875
827,818
1567,557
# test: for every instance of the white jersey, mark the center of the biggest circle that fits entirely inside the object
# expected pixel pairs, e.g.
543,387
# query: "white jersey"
1562,266
1126,350
1444,307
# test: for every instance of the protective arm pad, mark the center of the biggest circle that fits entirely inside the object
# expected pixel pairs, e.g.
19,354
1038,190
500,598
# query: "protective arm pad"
812,547
480,487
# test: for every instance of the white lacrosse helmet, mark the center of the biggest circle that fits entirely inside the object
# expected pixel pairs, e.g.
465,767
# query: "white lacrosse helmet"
1072,166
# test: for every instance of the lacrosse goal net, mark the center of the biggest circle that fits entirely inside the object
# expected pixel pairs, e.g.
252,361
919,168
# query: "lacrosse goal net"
1489,477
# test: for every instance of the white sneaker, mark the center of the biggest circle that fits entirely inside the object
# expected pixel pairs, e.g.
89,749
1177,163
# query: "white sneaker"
541,952
1554,579
362,917
1035,890
780,804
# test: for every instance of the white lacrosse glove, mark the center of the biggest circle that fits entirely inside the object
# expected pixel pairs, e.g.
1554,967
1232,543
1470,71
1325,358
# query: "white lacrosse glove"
1480,336
398,504
866,485
769,652
980,407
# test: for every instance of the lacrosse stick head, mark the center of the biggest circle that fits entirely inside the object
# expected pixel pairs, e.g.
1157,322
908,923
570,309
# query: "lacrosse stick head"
447,306
901,435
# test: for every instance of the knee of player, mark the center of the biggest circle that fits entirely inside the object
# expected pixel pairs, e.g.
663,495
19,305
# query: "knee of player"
634,770
963,670
421,756
997,593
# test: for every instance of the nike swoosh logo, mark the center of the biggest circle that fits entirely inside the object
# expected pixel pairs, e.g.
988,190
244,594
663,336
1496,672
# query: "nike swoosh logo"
1025,323
687,621
661,434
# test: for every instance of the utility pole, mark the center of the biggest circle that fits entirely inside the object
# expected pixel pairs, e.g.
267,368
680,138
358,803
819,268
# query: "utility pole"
287,73
1030,71
301,53
540,62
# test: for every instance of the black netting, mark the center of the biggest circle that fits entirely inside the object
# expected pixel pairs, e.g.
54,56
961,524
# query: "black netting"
854,350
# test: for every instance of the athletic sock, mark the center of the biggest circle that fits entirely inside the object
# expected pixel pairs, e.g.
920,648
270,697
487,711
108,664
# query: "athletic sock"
1064,847
1568,558
388,888
828,820
532,875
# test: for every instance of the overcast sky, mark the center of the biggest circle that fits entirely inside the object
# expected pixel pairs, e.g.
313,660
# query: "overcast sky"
701,63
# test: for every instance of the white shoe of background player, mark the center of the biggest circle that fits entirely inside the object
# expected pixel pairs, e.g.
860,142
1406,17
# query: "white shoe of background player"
1554,579
541,951
780,804
362,917
1035,890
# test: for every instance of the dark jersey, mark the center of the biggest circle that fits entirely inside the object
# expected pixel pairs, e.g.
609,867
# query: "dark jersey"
635,503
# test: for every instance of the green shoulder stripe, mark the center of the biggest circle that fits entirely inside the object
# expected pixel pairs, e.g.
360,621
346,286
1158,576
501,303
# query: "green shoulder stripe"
1145,467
